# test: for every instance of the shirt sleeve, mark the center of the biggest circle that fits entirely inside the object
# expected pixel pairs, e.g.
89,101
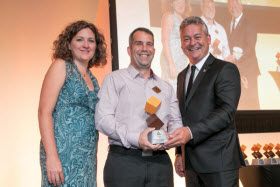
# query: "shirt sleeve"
225,46
105,111
175,120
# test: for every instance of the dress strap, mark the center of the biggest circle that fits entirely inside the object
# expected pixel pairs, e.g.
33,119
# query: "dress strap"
94,81
69,69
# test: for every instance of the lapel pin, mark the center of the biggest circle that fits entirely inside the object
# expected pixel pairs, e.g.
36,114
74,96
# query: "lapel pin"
204,70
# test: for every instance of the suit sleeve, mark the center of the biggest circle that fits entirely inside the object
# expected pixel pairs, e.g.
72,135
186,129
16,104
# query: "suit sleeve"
180,85
227,92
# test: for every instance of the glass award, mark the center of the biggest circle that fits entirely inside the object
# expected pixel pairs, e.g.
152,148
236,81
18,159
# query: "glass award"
157,136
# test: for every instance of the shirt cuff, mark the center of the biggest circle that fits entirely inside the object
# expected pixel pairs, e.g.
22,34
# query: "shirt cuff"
190,132
133,139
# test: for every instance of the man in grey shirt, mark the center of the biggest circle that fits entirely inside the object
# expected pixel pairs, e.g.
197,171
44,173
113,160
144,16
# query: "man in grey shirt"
120,114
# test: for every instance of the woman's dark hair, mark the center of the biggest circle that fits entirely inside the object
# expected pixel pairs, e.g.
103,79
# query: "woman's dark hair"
61,45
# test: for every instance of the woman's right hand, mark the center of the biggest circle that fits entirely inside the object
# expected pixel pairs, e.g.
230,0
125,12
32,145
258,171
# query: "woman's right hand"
54,171
173,71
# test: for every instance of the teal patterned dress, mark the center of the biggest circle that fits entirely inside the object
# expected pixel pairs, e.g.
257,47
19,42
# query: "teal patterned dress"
74,130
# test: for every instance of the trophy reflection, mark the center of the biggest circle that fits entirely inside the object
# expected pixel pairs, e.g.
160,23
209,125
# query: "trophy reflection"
257,155
157,136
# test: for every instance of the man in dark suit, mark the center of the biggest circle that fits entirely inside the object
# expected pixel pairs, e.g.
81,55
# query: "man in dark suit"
242,35
208,91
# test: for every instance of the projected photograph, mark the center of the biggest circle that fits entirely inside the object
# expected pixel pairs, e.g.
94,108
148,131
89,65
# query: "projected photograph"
252,43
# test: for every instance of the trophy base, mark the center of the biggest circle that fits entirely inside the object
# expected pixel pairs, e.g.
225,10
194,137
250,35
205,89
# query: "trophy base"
247,162
271,161
257,162
157,137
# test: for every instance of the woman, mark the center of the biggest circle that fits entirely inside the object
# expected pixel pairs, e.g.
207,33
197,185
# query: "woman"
172,58
66,108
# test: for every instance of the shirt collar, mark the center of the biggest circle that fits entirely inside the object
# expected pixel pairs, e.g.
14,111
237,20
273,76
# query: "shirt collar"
201,63
238,19
206,21
134,73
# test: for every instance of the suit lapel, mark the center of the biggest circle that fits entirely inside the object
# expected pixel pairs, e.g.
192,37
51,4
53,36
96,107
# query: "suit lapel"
181,88
199,77
239,25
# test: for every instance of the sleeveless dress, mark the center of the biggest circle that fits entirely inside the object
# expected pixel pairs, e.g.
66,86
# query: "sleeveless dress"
179,58
74,130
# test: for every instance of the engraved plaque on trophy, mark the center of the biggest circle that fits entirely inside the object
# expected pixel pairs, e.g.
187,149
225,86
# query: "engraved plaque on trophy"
257,155
243,147
157,136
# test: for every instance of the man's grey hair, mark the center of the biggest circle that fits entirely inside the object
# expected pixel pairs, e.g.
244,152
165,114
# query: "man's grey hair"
147,31
196,21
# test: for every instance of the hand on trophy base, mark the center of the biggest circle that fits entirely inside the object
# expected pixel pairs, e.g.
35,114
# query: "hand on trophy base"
157,137
145,144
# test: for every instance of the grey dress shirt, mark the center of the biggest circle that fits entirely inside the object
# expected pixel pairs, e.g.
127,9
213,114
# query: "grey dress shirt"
120,113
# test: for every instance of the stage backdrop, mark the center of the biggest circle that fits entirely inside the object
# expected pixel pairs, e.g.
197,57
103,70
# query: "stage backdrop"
262,14
148,13
28,29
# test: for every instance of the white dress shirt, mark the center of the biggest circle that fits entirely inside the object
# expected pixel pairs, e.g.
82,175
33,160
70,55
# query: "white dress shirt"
120,113
218,32
236,21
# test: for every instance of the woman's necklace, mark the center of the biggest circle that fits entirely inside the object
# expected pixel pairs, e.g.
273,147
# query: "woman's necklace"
82,73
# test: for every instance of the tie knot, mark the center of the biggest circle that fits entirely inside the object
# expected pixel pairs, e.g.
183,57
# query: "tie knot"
193,69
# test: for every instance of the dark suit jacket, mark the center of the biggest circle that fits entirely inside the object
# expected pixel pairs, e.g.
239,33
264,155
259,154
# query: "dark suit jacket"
245,37
209,113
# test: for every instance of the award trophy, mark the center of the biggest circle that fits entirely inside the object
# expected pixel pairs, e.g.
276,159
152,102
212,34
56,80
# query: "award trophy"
243,147
257,155
269,154
157,136
277,147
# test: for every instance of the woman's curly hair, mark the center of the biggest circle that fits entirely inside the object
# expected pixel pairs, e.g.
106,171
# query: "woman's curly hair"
61,45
